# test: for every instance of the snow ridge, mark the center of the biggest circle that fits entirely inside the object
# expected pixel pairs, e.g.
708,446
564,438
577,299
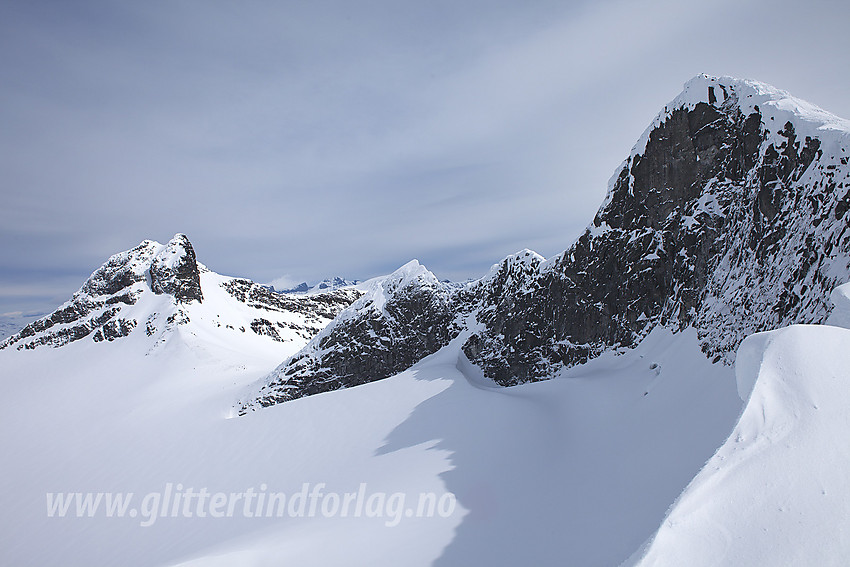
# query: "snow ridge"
794,381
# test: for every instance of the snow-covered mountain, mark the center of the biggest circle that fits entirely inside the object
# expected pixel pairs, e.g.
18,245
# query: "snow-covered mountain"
728,217
123,447
157,291
324,285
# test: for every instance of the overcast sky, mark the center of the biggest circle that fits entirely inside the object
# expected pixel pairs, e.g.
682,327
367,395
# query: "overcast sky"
301,140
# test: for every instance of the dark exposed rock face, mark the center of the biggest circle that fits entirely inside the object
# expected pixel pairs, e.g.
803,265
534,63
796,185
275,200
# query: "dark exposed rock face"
316,310
497,301
644,261
114,329
727,217
403,319
718,223
175,271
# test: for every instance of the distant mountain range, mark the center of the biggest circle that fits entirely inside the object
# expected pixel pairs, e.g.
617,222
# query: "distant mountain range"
324,285
11,323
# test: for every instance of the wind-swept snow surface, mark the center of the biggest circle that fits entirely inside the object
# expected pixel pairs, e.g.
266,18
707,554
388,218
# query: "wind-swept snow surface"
106,418
575,471
778,491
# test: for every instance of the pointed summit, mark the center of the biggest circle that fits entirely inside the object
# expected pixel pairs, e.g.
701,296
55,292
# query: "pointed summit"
174,270
170,268
400,318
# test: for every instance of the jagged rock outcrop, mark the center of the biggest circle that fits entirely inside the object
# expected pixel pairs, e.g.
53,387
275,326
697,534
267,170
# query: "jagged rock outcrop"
398,321
314,310
95,308
724,218
174,271
157,289
729,216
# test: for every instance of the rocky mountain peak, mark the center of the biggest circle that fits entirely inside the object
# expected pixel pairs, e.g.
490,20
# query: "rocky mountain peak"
96,309
511,275
411,276
727,216
153,290
168,269
174,270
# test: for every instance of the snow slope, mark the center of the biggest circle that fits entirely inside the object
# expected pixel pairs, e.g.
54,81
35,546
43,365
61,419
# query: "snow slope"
578,470
575,471
777,492
82,419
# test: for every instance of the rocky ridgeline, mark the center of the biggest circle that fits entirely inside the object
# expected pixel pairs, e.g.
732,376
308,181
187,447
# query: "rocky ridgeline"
316,310
729,216
399,320
723,218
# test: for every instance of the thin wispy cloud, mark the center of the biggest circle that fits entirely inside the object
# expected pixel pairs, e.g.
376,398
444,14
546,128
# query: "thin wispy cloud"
334,138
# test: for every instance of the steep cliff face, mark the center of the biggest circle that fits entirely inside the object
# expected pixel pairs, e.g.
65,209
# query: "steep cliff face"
155,290
174,270
728,216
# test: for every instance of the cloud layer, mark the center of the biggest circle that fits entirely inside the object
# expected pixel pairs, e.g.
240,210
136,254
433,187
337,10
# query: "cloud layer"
304,140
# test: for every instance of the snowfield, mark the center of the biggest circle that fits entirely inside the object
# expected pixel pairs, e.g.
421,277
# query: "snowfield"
579,470
778,491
